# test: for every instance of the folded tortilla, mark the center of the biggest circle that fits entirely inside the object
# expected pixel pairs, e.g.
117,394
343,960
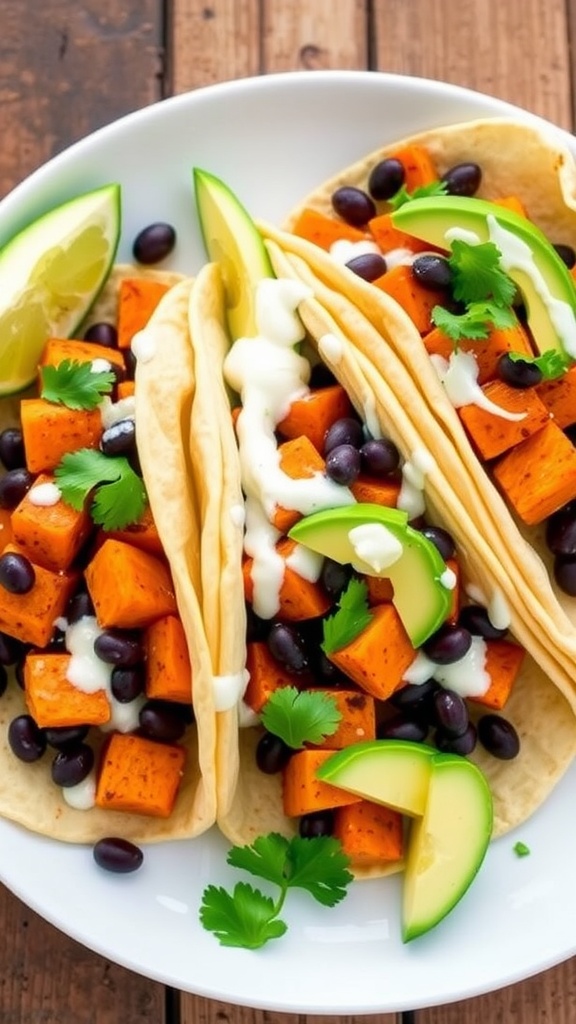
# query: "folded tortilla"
165,388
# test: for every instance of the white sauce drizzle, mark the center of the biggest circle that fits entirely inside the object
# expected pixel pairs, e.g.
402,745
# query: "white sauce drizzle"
371,422
44,495
88,673
306,563
399,258
459,375
375,546
100,366
411,497
82,796
228,690
497,608
113,412
247,717
467,676
448,579
343,250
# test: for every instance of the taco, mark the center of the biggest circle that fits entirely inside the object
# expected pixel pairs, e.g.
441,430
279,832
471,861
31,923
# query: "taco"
274,410
145,771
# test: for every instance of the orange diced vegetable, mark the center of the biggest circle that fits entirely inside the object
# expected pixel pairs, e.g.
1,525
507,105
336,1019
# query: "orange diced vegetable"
512,203
299,598
380,589
137,301
50,535
388,237
140,776
376,490
538,476
50,431
490,433
370,833
418,166
129,587
559,397
324,231
168,670
266,675
53,701
487,351
125,389
5,528
312,416
503,663
378,657
417,301
300,460
358,720
56,350
142,534
30,617
303,793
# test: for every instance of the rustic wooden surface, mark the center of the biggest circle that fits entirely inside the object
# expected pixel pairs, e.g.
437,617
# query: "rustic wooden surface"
66,69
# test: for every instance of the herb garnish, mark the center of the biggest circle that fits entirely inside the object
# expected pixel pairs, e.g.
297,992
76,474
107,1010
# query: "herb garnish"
75,384
475,323
403,196
521,850
551,363
120,496
300,716
246,917
352,617
487,292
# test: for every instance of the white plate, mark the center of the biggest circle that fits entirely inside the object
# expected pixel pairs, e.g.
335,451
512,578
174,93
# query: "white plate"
272,139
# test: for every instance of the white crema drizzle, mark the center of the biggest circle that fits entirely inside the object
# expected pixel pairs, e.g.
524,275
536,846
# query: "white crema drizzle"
459,375
467,676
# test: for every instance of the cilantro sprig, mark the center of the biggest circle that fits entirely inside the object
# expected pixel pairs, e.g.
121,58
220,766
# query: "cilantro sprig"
300,716
352,616
475,322
552,363
521,850
75,384
119,495
477,275
248,918
403,196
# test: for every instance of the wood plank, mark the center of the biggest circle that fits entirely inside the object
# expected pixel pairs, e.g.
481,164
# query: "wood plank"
197,1010
70,68
517,51
48,977
300,35
213,42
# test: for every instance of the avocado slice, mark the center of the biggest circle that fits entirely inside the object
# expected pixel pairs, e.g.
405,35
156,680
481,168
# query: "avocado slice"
391,772
543,279
385,545
232,240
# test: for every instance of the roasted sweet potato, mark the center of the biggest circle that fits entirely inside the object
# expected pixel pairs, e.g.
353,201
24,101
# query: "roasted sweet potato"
50,535
358,720
419,168
266,675
487,352
492,434
53,701
312,416
538,476
299,598
140,776
300,460
30,617
316,227
56,350
559,397
378,657
388,238
142,534
370,833
376,490
303,793
168,670
50,431
129,587
503,663
137,301
417,301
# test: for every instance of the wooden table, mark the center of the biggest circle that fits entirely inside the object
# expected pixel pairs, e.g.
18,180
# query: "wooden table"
67,68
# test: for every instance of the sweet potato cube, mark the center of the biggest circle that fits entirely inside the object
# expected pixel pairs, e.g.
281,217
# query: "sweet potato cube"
503,663
129,587
376,490
388,237
140,776
303,793
50,431
53,701
490,433
168,670
312,416
142,534
50,535
56,350
417,301
299,598
538,476
419,168
300,460
378,657
266,675
137,301
321,230
126,388
6,536
380,589
30,617
358,720
559,397
370,833
487,352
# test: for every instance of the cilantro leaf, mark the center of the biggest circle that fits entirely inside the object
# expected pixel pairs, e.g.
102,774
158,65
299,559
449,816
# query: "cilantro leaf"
120,496
300,716
552,363
521,850
352,616
403,196
320,867
266,858
245,918
475,323
75,384
477,274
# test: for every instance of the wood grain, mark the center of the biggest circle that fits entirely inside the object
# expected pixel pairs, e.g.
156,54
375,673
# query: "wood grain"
196,1010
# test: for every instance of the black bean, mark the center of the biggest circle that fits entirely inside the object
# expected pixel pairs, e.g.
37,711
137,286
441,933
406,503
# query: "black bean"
432,271
565,574
3,680
11,650
499,737
463,179
343,431
566,254
476,620
386,178
353,205
334,577
26,740
463,744
286,645
79,606
343,464
72,765
17,574
400,727
561,531
116,648
154,243
321,376
118,855
451,713
102,334
272,754
12,448
130,363
315,824
518,373
413,696
119,439
14,485
379,456
161,720
368,265
64,736
127,683
326,672
256,628
441,540
448,644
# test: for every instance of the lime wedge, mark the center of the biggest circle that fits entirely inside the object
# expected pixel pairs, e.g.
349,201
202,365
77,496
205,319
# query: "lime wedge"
50,274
